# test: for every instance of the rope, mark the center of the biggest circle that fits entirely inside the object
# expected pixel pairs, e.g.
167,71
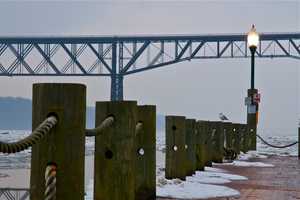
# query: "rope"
275,146
98,130
50,182
37,135
138,128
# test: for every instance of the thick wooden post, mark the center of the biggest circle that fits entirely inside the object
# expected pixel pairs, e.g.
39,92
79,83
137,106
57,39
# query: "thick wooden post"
65,145
208,143
175,147
218,142
190,140
228,136
237,138
201,150
243,138
145,151
252,114
114,176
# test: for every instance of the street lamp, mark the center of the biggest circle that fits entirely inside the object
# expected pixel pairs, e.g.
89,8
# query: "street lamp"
253,39
252,102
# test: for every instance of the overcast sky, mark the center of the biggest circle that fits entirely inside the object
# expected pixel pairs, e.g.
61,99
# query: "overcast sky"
197,89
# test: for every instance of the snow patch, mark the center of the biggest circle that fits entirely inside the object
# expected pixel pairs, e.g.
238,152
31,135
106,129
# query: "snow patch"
191,190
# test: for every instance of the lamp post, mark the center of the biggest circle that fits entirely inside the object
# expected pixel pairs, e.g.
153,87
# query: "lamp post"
253,39
252,110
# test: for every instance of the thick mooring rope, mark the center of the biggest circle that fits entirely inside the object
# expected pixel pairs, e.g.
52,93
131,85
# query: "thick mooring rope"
138,128
50,182
38,134
275,146
98,130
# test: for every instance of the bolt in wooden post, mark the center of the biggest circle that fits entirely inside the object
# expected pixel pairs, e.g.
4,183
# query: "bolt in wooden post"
190,140
201,150
208,143
145,174
114,176
65,145
175,147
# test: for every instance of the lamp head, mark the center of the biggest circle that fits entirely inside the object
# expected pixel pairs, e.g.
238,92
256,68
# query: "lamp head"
253,38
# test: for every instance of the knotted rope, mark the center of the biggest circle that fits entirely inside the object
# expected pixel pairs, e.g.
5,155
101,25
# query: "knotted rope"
98,130
50,182
38,134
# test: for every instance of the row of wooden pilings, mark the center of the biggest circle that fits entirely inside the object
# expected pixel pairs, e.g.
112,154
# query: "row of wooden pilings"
124,158
191,145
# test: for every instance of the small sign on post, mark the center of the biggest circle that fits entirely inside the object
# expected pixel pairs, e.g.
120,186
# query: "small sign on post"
251,109
256,98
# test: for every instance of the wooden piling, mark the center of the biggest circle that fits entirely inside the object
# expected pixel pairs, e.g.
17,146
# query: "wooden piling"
228,135
236,136
218,142
190,140
145,151
65,144
114,176
202,152
175,147
208,144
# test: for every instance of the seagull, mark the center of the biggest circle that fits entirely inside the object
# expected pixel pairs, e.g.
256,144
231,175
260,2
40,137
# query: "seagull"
222,117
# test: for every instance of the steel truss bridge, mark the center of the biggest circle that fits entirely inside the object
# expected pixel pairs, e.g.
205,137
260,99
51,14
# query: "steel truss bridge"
119,56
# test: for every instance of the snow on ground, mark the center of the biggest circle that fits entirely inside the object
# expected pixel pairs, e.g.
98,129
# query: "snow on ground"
248,164
190,190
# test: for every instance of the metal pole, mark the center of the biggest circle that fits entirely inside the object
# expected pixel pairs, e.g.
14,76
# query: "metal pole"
252,49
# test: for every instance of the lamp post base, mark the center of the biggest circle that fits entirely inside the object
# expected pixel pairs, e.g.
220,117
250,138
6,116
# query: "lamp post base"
252,119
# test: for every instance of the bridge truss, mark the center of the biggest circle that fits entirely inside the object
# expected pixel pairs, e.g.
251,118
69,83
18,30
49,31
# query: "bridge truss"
119,56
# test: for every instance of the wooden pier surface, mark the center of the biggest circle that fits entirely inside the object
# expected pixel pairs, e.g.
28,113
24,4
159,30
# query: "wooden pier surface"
281,182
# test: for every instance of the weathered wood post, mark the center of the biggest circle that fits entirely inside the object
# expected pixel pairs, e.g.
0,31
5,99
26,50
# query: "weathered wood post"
246,137
218,142
237,138
228,136
208,143
243,138
65,145
114,176
190,140
175,147
201,150
145,174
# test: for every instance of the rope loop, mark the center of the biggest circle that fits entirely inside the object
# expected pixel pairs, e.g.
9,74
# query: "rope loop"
275,146
38,134
106,123
50,182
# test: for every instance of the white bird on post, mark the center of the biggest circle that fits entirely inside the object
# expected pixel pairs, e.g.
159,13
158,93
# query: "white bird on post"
222,117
